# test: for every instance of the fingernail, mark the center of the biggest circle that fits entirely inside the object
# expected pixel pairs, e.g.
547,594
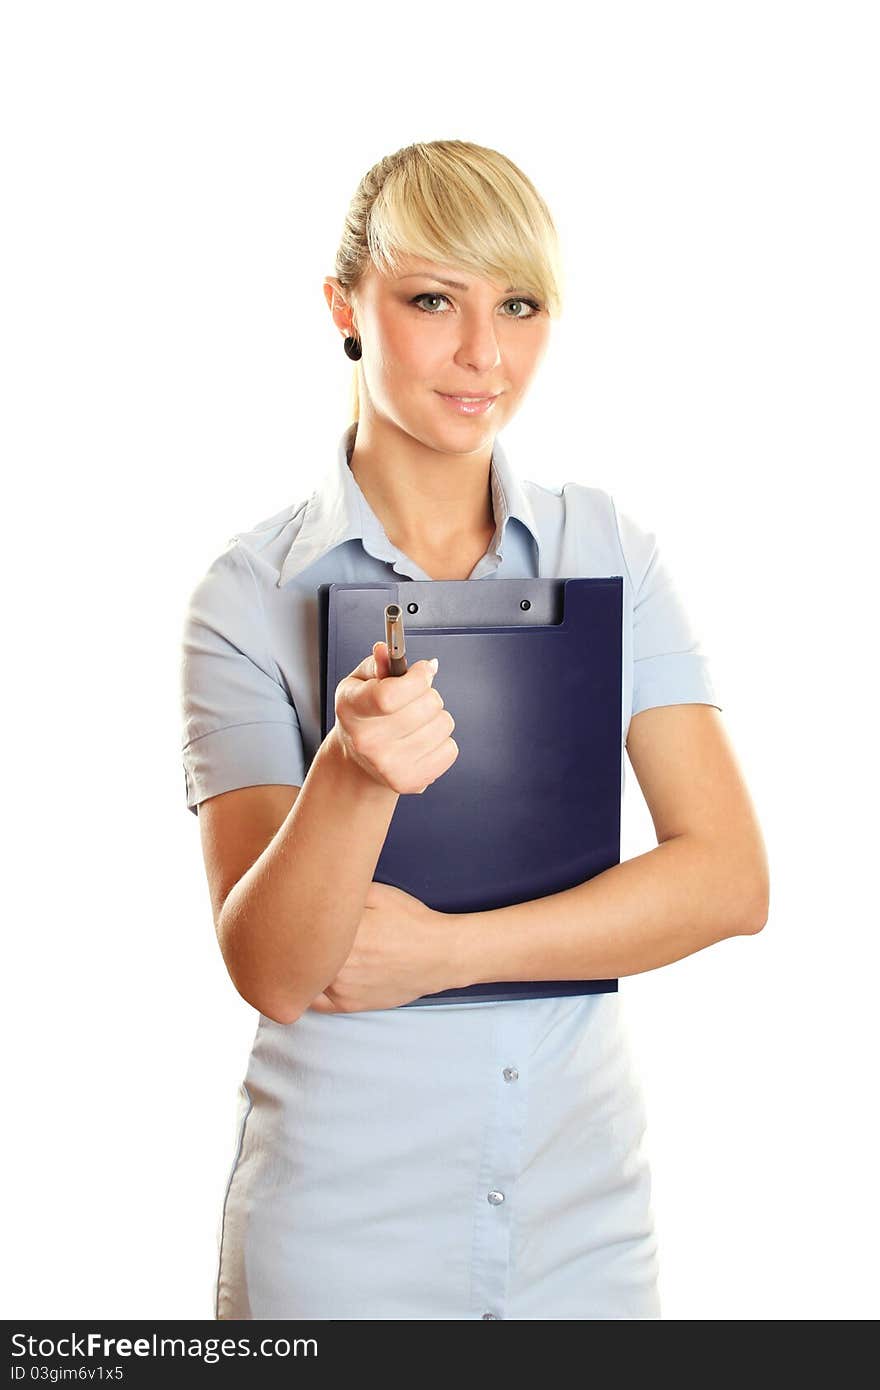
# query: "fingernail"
435,663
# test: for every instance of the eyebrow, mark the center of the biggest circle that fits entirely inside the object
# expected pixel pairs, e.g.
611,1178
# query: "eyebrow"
453,284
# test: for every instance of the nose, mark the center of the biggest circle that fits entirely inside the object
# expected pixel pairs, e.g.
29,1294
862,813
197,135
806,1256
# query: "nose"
478,347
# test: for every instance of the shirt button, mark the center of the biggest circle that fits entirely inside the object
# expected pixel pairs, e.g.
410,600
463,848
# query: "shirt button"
490,1315
495,1197
510,1073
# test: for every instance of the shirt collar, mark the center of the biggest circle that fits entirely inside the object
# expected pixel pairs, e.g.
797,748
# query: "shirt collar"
338,511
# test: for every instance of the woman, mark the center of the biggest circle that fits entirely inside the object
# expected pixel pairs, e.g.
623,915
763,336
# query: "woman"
478,1160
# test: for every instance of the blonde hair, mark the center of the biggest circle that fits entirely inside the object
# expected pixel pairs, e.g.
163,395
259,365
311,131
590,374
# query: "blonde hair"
455,202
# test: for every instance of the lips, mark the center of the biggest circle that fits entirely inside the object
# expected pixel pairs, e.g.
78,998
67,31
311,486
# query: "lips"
453,396
469,405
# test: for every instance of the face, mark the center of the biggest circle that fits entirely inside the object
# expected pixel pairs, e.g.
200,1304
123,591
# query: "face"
423,338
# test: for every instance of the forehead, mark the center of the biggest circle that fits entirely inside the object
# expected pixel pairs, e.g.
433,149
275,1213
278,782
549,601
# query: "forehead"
410,265
416,267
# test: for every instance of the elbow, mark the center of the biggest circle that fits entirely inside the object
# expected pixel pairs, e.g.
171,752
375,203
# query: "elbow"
756,924
272,1009
246,976
751,869
281,1016
288,1010
759,910
266,1003
281,1011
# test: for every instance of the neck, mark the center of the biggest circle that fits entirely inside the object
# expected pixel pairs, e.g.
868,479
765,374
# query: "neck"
426,500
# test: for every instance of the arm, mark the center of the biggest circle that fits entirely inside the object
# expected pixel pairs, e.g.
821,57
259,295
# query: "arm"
648,911
706,880
288,924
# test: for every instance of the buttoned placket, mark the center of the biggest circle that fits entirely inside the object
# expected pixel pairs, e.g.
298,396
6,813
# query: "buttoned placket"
495,1199
495,1206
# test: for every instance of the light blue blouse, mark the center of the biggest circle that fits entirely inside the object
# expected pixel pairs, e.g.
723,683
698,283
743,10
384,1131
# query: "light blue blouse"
479,1160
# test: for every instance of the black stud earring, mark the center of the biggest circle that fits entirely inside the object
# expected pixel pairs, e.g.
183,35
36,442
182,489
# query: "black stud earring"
352,348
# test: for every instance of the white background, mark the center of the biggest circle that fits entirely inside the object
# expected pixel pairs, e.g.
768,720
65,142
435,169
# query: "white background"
175,181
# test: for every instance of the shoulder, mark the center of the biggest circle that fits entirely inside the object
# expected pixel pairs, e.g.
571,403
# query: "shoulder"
572,499
604,532
251,560
265,545
634,542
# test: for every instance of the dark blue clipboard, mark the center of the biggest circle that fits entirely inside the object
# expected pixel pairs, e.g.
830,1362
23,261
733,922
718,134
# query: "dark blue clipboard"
531,671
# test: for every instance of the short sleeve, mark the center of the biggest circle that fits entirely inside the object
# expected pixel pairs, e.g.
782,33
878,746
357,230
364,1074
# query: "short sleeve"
240,728
669,664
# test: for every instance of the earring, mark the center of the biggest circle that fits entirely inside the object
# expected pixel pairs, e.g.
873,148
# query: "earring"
352,348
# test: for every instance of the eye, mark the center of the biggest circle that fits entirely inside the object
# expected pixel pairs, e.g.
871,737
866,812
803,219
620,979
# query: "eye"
427,296
532,303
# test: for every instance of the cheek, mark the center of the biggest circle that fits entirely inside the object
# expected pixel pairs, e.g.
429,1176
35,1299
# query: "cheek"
408,348
523,356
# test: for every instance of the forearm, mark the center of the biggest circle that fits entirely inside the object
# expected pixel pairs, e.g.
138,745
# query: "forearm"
648,911
289,924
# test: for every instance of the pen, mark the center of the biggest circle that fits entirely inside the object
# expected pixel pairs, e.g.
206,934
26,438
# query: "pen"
394,639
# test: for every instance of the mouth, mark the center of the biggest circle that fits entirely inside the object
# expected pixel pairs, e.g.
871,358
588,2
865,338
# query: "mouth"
469,405
465,396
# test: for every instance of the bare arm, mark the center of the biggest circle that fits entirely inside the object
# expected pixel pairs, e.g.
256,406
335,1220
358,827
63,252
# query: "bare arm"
708,878
289,881
287,925
646,912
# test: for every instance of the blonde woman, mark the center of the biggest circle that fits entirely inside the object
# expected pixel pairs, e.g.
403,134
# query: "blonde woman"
476,1160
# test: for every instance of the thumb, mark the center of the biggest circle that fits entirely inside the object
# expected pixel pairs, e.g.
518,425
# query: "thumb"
376,664
381,660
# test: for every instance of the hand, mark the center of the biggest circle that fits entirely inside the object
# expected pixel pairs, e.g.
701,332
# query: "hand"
401,951
395,728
